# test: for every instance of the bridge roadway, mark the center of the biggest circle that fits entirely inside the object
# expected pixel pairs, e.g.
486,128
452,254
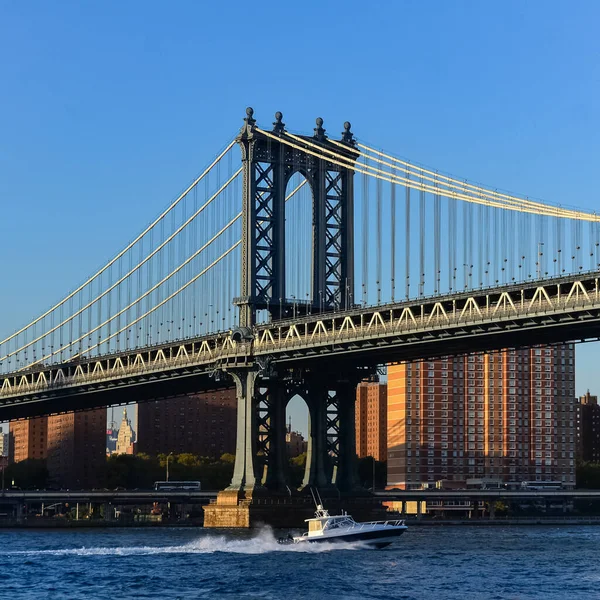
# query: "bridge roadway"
146,496
487,494
547,311
113,496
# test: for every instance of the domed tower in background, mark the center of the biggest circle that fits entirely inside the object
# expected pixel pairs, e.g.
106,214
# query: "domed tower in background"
126,439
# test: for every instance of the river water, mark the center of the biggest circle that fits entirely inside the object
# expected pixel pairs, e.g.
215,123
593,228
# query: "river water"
426,562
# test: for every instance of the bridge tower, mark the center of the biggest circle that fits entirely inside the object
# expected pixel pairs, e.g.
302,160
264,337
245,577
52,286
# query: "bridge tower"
264,388
268,165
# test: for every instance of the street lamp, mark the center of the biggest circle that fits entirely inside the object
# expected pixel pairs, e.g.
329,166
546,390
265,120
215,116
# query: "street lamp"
168,456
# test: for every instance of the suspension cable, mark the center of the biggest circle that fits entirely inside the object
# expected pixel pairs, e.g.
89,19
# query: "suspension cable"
144,295
384,175
214,263
504,199
128,247
567,213
420,176
157,285
163,302
131,271
459,184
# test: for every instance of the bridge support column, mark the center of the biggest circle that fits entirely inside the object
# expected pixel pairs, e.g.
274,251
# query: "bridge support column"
331,457
318,461
275,468
244,470
232,506
259,487
260,445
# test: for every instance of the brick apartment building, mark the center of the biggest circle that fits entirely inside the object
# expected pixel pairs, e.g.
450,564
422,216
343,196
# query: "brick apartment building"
202,424
73,445
589,428
507,415
28,439
76,453
371,420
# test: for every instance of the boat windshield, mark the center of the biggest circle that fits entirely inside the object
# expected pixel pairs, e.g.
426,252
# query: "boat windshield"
335,522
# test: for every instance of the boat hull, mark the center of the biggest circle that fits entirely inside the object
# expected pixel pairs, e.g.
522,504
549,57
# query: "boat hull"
378,538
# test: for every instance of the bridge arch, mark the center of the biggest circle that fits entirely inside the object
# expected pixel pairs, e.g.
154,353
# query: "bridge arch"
297,416
299,212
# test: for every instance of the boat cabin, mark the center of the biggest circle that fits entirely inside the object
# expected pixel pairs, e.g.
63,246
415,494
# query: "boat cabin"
323,521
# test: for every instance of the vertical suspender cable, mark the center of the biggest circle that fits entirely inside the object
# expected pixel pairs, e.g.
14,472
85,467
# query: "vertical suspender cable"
407,239
465,248
486,237
422,242
511,247
578,244
479,245
452,239
437,242
365,204
393,241
378,235
596,244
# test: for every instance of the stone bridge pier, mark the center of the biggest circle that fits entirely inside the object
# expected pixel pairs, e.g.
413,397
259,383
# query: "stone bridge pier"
260,489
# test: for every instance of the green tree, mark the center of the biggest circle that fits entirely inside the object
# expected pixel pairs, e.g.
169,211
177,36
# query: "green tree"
141,471
27,474
130,472
297,465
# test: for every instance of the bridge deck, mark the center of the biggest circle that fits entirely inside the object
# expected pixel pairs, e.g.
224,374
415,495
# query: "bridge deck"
547,311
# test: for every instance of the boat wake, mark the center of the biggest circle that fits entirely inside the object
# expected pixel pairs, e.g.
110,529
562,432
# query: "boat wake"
262,543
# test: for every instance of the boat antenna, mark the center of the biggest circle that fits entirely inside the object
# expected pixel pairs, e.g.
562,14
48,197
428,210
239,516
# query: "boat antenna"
319,495
316,499
318,503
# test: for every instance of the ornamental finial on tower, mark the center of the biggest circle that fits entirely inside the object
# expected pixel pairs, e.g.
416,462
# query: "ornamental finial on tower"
249,122
278,125
347,135
319,131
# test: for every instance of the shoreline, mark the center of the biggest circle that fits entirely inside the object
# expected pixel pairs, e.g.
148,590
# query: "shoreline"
510,521
411,522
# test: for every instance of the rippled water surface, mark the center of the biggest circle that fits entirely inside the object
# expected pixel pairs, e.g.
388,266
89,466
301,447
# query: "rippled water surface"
426,562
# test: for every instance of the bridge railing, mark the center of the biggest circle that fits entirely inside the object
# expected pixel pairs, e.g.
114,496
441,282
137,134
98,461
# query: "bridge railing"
427,315
105,369
370,323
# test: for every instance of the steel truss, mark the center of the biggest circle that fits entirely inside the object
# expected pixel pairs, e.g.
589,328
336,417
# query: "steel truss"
268,167
539,312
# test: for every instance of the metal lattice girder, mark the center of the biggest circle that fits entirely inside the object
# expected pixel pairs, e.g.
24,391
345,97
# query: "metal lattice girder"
268,166
334,231
264,231
263,420
333,428
540,312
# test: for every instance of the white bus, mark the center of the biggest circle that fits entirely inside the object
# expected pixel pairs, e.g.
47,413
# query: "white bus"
541,485
174,486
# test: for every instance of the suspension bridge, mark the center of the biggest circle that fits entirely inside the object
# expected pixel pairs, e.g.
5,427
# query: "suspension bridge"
301,270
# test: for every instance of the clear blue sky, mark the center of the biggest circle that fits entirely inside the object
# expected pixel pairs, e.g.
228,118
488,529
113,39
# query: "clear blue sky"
107,109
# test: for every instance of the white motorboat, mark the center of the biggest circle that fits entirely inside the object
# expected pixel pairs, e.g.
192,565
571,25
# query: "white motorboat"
324,527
